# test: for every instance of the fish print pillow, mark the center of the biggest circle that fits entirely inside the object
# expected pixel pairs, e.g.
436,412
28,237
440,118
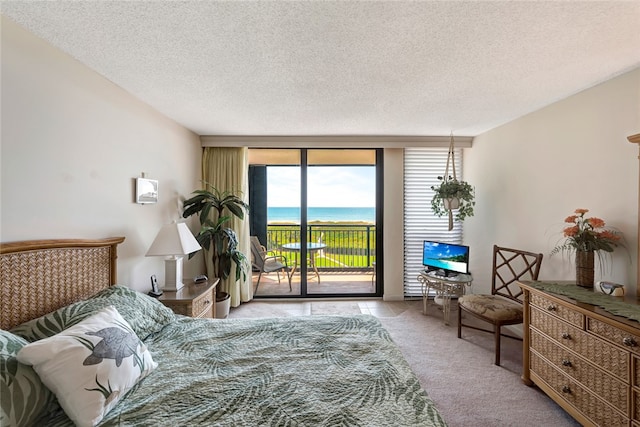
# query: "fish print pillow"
91,365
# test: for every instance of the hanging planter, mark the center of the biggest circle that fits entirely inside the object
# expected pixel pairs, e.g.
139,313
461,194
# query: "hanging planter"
452,203
452,194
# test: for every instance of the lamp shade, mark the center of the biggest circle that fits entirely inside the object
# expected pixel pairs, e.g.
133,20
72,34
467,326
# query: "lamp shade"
174,239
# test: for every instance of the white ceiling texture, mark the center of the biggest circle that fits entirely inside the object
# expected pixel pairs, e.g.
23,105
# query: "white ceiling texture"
343,67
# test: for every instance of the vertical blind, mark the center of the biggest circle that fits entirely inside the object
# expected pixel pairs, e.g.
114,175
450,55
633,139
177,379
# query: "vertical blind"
422,166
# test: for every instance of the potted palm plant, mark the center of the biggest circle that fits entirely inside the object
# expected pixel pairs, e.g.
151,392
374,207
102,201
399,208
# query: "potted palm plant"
217,239
452,194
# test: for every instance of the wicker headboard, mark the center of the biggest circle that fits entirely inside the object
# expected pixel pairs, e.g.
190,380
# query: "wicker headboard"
40,276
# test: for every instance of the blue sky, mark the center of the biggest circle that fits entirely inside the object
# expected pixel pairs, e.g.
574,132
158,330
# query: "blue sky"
329,186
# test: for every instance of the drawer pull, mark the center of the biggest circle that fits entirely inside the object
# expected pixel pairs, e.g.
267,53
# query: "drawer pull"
207,302
552,308
566,389
566,336
566,363
629,342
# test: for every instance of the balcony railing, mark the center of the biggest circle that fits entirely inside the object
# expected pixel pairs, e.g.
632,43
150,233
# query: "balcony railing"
348,246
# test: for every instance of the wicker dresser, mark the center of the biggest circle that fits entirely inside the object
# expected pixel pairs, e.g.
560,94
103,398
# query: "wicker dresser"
584,358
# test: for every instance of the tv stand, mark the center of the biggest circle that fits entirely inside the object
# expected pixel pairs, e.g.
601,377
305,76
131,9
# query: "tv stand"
445,273
444,287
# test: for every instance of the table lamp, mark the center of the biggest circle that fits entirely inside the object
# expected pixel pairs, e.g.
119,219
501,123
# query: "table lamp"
174,241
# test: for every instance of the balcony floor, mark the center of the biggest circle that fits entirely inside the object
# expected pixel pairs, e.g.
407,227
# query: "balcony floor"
331,282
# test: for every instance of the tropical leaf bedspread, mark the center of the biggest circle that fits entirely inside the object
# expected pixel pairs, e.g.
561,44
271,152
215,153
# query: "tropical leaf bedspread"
295,371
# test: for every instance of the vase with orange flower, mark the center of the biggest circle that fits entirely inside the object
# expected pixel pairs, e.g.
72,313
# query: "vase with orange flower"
587,236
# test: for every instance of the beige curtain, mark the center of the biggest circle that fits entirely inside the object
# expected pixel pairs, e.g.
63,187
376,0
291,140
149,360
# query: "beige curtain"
227,168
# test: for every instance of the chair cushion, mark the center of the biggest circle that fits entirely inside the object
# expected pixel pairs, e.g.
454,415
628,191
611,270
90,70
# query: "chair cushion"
492,307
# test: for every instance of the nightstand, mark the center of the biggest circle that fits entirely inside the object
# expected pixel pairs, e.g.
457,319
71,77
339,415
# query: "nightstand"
194,299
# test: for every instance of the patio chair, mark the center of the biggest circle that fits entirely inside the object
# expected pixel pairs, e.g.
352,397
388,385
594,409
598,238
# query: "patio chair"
265,263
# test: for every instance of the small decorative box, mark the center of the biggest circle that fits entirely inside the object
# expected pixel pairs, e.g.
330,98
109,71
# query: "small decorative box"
611,288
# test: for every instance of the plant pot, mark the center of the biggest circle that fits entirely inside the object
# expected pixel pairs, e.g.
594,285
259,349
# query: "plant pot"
453,203
584,268
223,304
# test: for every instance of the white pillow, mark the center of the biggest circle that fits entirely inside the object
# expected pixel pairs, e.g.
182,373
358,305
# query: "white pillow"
91,365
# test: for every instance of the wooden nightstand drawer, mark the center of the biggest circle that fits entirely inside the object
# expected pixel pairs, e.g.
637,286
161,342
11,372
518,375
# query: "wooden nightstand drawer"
194,300
203,305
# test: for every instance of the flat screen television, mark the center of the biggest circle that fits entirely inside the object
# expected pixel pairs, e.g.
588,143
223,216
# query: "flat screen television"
446,259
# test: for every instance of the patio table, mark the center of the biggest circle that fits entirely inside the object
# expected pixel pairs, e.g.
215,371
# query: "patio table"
311,248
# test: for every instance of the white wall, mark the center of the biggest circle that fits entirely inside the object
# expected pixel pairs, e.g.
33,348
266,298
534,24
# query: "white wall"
72,144
531,173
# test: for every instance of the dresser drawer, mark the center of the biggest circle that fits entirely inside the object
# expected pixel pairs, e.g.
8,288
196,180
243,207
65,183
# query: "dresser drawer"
615,335
545,304
570,390
609,357
600,383
635,401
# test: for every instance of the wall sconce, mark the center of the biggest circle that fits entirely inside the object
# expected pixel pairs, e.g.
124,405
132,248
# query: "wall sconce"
146,190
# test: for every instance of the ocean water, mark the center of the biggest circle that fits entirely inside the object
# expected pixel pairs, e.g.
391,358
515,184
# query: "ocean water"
282,214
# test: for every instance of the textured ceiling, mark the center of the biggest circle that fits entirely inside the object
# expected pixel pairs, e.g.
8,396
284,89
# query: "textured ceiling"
343,67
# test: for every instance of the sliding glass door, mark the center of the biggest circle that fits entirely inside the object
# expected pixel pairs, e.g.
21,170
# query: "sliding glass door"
275,216
319,209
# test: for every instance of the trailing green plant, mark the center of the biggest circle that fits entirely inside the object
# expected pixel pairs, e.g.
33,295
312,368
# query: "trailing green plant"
453,189
215,237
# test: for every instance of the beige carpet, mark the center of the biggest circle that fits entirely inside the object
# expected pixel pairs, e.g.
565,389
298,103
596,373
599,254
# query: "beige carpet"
459,374
337,307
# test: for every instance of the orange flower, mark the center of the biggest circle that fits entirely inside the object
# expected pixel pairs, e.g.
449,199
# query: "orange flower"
571,218
595,222
588,234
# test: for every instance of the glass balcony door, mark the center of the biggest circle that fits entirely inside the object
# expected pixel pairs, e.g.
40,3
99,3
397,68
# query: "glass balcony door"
320,215
341,222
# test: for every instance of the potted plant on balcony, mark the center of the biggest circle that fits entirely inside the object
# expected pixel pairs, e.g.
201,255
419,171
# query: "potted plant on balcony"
217,239
452,194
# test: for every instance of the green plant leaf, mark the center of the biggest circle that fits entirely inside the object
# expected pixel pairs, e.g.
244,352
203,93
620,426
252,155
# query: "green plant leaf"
451,188
215,209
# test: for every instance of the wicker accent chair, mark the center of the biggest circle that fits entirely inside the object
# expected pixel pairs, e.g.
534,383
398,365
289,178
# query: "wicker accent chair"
503,306
265,263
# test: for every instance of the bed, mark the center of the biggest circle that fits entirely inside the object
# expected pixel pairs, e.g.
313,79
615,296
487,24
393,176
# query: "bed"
59,299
